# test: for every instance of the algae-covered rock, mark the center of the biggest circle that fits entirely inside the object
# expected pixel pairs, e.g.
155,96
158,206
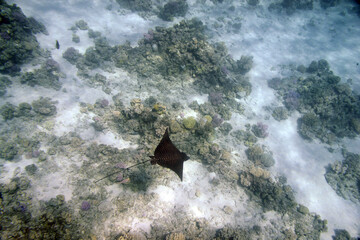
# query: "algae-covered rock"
280,113
302,209
159,108
54,217
256,154
44,106
82,25
31,169
225,128
260,130
344,177
270,195
75,38
8,150
4,83
47,76
189,123
177,8
71,55
245,136
18,44
184,50
175,126
290,6
342,234
7,111
175,236
136,5
320,97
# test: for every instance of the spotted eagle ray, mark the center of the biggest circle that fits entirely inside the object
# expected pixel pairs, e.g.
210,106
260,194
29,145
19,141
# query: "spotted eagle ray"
166,155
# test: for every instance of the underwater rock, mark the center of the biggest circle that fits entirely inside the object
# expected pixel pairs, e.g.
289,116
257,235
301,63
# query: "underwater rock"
136,5
175,126
93,34
31,169
252,2
329,3
225,128
71,55
24,110
7,111
18,44
47,76
54,217
175,236
4,83
183,50
344,177
159,108
302,209
321,99
233,233
216,98
82,25
98,124
75,38
247,137
44,106
189,123
217,120
8,150
177,8
244,65
256,154
342,234
270,195
85,206
280,113
290,6
260,130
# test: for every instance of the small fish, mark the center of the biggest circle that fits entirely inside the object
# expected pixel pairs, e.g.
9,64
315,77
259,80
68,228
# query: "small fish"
57,45
125,181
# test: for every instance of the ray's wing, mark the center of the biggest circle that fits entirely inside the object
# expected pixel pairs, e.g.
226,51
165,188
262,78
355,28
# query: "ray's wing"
178,169
167,155
166,148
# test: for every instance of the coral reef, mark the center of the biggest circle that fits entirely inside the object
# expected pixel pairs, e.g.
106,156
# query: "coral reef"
260,157
321,98
329,3
290,6
136,5
47,76
4,83
344,177
341,234
39,110
189,123
177,8
54,220
44,106
280,113
183,49
18,44
260,130
279,197
245,136
71,55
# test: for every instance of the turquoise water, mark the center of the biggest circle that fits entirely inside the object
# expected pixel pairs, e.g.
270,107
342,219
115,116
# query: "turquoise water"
263,96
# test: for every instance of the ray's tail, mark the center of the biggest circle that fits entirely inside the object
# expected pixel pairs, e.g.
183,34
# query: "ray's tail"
122,170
